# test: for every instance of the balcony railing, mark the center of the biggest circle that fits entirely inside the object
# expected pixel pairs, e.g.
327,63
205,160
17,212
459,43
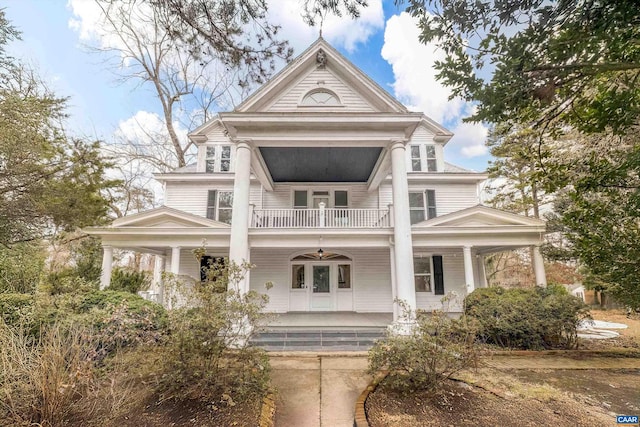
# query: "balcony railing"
321,218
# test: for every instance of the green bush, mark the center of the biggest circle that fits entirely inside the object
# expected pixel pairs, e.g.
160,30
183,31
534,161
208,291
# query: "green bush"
16,309
210,358
129,280
437,348
527,318
21,267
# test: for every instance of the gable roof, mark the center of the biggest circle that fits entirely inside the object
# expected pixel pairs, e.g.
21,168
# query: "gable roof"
166,217
481,216
357,79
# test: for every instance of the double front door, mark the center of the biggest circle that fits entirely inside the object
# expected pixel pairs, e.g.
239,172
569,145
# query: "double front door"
318,286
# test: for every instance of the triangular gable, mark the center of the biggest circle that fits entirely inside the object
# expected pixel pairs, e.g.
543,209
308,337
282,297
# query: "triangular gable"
480,216
303,72
166,217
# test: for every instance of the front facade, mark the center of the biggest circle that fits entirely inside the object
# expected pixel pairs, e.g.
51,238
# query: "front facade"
338,195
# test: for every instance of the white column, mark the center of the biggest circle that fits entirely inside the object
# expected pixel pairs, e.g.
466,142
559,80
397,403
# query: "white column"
394,285
482,272
402,231
239,244
468,269
107,265
538,266
175,260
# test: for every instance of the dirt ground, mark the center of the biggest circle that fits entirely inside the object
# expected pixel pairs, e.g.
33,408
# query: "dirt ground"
524,397
516,398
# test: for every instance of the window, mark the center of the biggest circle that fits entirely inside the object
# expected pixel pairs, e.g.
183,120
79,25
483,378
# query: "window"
421,203
320,98
210,162
416,207
431,158
423,158
225,204
344,276
218,158
416,163
422,274
300,199
225,158
219,205
297,276
431,203
341,199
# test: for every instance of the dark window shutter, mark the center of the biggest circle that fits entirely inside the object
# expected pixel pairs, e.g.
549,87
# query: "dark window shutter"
438,275
211,204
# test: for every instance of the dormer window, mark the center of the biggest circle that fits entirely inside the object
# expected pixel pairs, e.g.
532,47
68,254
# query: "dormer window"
320,98
218,158
423,158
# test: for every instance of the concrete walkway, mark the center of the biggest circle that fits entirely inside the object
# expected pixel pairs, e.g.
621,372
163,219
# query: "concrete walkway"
317,390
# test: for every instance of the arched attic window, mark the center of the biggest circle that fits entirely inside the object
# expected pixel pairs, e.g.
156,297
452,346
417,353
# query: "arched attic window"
320,98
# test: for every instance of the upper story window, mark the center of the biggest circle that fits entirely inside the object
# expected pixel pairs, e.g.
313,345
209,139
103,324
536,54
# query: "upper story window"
423,158
220,205
218,158
320,98
422,205
335,199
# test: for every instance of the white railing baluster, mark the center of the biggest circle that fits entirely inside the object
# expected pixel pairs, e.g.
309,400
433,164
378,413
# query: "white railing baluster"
321,218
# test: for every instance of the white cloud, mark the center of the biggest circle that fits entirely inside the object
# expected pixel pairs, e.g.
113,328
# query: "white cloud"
417,87
339,31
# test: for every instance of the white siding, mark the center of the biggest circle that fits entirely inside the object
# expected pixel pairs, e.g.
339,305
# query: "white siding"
320,78
272,265
192,196
453,272
372,281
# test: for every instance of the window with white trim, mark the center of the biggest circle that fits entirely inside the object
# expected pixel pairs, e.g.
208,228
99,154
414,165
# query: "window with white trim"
217,158
422,205
423,158
220,205
422,274
300,199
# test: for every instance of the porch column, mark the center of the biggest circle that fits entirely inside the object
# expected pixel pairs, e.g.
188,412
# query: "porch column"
538,266
158,269
482,272
394,285
403,251
175,260
107,265
239,244
468,269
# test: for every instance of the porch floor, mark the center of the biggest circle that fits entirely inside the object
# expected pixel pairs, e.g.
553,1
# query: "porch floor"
330,320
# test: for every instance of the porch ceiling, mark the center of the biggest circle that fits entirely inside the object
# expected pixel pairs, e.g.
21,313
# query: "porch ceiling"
320,164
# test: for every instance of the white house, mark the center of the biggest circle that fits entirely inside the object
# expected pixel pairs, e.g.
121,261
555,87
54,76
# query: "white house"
336,192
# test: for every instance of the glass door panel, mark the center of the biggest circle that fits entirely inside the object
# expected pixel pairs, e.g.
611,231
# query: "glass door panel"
321,279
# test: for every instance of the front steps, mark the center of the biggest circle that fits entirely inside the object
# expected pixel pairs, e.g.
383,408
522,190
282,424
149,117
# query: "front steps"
318,339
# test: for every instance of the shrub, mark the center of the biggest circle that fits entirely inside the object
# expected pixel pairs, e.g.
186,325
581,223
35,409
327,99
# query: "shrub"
210,358
437,348
129,281
16,309
43,379
526,318
21,267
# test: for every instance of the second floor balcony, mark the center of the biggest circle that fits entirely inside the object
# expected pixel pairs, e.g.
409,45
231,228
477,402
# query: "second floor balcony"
321,218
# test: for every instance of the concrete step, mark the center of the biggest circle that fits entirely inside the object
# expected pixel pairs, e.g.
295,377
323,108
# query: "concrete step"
318,340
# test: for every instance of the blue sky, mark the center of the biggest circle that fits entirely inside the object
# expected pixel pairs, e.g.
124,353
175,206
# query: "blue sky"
383,43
